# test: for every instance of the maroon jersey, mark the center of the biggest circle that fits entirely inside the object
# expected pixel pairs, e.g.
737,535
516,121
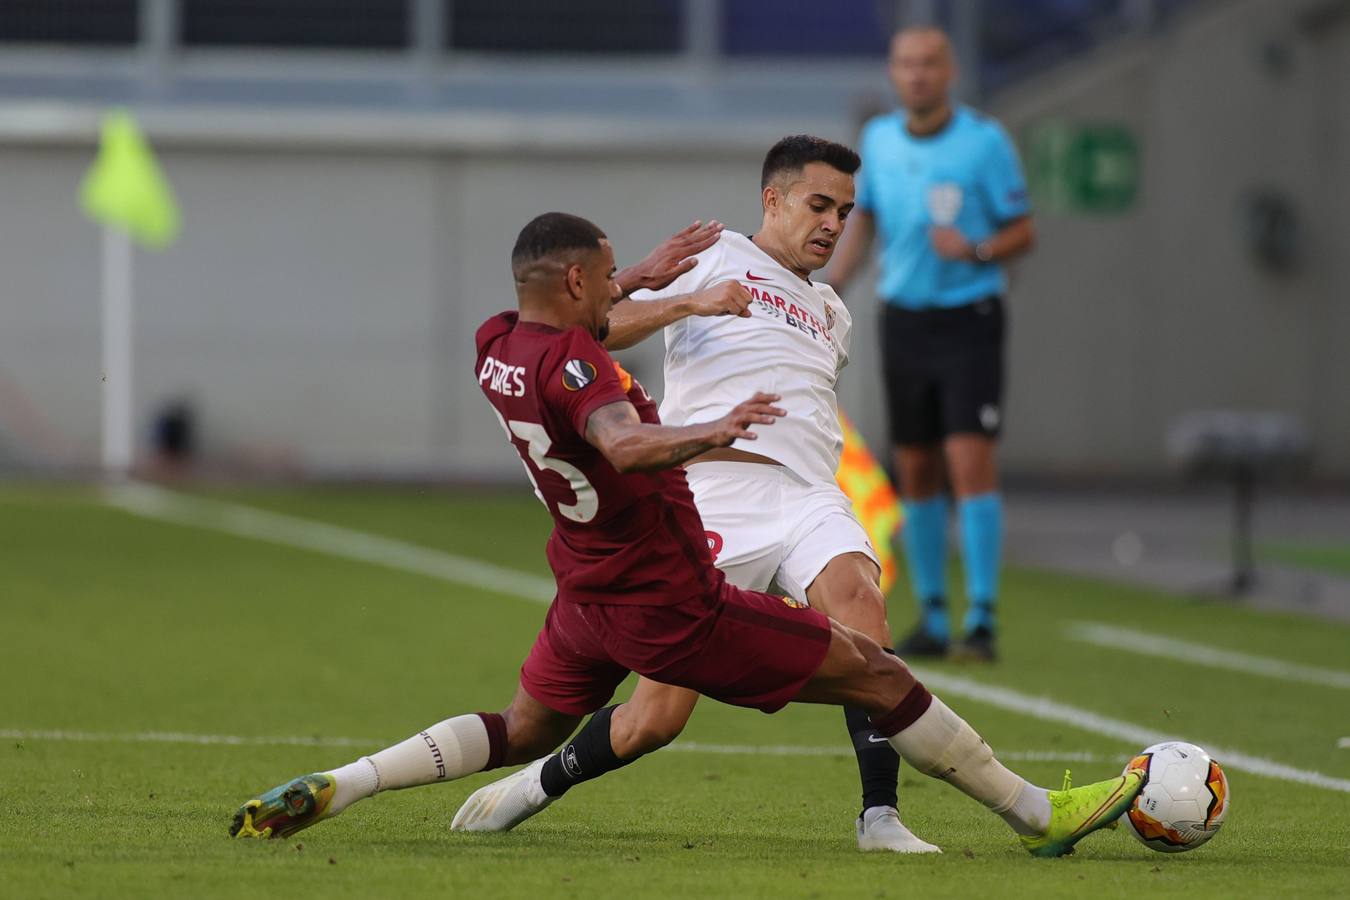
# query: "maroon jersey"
617,538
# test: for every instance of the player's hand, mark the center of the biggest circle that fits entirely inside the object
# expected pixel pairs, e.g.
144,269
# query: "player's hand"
735,425
726,298
671,258
949,243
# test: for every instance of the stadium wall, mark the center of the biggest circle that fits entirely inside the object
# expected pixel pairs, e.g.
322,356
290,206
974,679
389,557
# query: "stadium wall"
1122,322
318,311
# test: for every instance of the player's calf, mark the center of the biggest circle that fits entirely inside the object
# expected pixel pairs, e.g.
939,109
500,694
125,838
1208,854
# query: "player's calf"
857,671
652,718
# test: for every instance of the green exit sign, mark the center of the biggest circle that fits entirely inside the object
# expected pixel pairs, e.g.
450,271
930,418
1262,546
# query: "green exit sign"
1073,167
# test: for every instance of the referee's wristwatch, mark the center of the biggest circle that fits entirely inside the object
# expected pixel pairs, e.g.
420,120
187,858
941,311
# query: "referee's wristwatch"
983,252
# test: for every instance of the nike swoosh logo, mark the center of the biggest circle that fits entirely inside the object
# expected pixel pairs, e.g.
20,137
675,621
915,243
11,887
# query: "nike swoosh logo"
874,739
755,277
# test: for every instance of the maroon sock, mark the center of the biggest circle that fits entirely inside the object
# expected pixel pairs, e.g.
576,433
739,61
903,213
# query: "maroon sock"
906,712
496,729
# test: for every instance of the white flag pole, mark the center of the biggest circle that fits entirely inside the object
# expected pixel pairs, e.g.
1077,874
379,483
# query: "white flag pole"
117,322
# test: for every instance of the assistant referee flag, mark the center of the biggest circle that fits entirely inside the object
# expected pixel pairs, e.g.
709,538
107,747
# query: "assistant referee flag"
874,501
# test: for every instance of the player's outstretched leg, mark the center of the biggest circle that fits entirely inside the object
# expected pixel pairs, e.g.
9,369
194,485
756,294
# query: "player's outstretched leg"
445,751
610,739
938,742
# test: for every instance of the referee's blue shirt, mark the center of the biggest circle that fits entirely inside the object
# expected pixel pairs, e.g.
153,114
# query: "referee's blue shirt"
967,175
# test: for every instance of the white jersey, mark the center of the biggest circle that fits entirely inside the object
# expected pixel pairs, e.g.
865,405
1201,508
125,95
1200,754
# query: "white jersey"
794,344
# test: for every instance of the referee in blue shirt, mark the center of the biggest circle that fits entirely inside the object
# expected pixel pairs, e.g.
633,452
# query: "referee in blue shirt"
942,188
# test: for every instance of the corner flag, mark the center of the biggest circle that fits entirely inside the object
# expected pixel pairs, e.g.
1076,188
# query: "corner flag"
125,191
125,188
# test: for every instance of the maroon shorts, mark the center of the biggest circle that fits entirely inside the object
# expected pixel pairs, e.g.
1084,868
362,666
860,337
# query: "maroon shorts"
741,647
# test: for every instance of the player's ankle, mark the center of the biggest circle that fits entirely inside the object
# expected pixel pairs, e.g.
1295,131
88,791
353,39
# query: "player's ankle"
1029,813
354,781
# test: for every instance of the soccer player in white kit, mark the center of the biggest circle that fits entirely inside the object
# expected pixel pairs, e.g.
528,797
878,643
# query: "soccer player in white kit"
748,317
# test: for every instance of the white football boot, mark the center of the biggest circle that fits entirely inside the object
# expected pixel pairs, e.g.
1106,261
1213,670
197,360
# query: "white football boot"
880,828
505,803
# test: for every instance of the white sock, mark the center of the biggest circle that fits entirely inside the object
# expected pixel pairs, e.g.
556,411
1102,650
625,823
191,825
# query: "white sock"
355,781
445,751
941,744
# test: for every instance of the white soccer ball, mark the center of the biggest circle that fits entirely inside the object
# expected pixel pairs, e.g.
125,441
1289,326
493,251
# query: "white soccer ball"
1184,800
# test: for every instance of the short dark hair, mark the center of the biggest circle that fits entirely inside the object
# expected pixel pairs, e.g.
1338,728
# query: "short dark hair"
551,233
792,153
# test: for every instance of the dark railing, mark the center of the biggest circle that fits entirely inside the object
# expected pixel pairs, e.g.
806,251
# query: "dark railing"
77,22
352,24
578,26
1009,38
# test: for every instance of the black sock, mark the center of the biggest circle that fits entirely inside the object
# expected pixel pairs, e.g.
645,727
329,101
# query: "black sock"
878,763
588,755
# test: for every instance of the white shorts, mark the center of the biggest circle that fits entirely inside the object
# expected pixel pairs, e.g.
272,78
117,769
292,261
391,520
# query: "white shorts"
772,530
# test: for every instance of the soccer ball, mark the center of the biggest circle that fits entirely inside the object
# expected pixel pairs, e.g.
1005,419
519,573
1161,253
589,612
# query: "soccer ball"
1184,800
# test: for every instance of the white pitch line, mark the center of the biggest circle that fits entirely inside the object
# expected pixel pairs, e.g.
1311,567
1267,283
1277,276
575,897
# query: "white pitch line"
157,503
1085,720
178,737
153,502
235,740
846,751
1343,743
1142,642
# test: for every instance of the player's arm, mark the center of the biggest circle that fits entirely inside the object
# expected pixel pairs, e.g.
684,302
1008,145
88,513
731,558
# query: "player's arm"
670,259
633,321
631,445
851,254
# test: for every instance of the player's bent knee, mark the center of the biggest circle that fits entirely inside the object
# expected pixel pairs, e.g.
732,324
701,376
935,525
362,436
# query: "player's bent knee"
848,592
864,609
868,596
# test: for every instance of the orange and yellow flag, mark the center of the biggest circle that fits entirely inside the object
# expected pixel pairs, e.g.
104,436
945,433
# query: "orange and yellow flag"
874,501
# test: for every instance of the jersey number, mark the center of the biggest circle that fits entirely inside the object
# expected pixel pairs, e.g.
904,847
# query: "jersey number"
588,502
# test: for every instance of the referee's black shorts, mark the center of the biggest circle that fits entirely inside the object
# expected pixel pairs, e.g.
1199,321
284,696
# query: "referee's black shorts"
944,370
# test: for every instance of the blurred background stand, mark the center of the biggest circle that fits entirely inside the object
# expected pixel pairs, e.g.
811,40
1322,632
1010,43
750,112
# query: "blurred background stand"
1241,448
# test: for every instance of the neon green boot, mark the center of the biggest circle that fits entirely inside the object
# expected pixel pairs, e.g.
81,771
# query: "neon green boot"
1077,812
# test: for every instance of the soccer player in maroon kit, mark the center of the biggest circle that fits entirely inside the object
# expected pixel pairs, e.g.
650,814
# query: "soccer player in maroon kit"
638,591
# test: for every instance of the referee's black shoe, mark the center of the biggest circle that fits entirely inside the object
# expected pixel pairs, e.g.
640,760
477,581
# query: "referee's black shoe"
976,646
919,644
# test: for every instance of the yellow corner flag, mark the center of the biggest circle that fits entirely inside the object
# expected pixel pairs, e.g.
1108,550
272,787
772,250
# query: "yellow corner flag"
874,500
125,187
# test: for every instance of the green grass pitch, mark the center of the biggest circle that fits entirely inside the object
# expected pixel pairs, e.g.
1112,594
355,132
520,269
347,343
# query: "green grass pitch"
1331,558
115,627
